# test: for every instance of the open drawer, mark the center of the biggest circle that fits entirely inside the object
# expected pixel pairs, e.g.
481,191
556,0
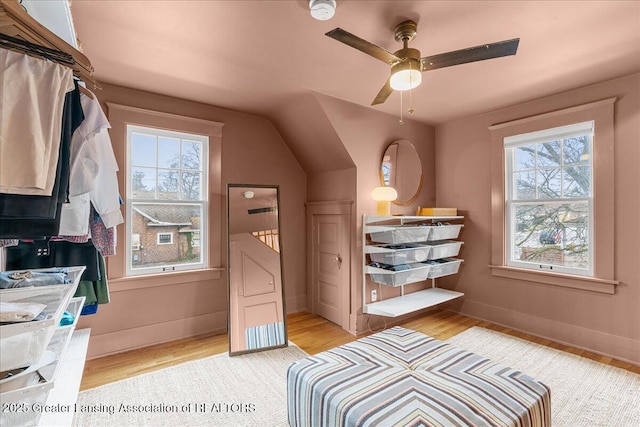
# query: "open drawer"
417,273
23,343
443,267
23,406
399,253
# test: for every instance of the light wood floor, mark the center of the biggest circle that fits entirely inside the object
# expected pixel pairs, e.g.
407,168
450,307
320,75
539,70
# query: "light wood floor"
311,333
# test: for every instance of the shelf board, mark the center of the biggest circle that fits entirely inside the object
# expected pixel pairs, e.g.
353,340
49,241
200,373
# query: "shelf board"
68,379
407,218
394,307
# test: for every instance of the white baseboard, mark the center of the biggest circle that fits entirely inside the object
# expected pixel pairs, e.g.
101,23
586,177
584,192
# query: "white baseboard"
617,347
143,336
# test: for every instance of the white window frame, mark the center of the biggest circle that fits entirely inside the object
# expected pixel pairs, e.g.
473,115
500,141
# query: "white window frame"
511,143
132,270
602,113
158,238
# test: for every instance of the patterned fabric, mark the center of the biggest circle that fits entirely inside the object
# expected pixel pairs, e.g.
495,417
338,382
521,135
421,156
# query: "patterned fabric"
104,239
268,335
400,377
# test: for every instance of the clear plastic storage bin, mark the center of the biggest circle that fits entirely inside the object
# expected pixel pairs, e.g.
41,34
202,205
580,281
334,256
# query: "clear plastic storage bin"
22,403
418,273
404,234
444,267
444,232
22,344
444,249
407,253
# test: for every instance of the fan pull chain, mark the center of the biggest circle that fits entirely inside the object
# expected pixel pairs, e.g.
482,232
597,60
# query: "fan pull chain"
401,121
410,110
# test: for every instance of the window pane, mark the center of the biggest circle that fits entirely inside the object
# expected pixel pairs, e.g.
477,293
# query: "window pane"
552,234
167,232
577,150
525,185
191,188
168,184
143,149
191,155
549,154
168,152
525,157
143,183
577,181
549,183
165,238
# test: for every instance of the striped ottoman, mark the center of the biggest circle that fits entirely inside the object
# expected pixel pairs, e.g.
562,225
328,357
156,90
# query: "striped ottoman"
400,377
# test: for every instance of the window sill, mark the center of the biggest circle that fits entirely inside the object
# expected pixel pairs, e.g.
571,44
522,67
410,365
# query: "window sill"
164,279
555,279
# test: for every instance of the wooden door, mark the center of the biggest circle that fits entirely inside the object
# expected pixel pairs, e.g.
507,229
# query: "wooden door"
330,267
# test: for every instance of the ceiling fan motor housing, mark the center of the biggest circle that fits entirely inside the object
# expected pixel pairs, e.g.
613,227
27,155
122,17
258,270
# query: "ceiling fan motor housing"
406,31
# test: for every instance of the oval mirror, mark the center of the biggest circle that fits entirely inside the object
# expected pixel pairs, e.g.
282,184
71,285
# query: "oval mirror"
401,168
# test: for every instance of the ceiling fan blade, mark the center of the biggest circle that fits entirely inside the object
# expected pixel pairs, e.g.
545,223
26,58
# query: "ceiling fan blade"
383,94
472,54
363,45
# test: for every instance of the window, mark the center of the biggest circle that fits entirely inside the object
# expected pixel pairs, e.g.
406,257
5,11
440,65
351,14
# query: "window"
135,242
552,206
166,199
165,238
549,199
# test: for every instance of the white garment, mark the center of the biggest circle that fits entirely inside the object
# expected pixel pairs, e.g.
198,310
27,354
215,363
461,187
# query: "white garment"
93,175
20,311
32,93
74,216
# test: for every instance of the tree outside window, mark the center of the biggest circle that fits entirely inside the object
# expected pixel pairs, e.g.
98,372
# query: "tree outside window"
549,199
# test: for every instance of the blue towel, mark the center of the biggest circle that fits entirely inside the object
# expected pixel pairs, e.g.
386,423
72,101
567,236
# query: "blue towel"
67,319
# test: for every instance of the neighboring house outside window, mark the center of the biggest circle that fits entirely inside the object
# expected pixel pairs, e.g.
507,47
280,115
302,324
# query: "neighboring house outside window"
166,199
552,198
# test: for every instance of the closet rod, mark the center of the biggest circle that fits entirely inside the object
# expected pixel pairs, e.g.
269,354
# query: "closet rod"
16,22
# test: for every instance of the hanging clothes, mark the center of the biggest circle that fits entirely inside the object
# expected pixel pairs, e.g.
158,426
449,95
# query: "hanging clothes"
93,177
28,216
95,291
33,94
103,238
51,253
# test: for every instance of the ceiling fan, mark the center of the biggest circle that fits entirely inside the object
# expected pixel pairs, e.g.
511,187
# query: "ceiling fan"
407,65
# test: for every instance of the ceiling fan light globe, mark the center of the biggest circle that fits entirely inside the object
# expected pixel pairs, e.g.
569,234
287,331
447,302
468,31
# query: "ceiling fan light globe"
322,10
405,79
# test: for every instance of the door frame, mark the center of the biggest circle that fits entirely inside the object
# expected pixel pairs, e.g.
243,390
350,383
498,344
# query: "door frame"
343,208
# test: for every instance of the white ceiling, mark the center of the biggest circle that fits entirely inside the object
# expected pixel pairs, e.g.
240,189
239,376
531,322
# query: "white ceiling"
253,55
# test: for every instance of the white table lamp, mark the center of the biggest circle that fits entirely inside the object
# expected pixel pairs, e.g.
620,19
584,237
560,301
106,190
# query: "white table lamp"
384,196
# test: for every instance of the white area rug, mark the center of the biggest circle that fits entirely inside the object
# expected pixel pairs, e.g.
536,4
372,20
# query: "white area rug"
247,390
584,393
250,390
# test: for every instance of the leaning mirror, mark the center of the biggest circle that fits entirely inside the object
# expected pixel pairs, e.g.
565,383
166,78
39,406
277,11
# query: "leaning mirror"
256,303
401,168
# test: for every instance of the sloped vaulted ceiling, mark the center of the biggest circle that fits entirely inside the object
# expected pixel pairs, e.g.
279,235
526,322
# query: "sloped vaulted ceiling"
304,125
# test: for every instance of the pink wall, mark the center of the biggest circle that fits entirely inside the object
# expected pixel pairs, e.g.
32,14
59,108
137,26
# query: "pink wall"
365,134
147,311
332,185
608,324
